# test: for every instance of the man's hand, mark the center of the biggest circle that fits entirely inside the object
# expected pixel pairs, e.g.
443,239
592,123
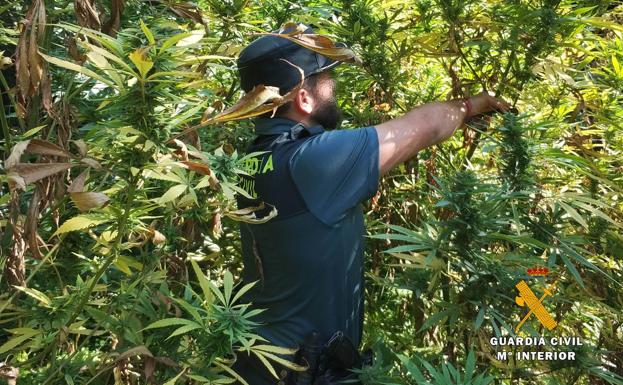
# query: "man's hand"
485,102
426,125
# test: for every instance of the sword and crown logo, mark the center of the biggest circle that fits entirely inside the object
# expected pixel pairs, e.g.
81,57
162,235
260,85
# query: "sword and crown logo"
535,306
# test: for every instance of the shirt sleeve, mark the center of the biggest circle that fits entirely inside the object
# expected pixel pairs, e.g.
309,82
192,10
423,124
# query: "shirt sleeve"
336,170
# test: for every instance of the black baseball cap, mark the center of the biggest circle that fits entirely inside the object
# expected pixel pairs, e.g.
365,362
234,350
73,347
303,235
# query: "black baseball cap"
260,62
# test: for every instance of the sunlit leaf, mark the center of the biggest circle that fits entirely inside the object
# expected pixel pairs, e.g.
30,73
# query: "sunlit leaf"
172,193
77,68
139,58
80,222
36,294
86,201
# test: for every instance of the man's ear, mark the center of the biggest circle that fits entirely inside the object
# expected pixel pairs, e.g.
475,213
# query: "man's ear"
304,102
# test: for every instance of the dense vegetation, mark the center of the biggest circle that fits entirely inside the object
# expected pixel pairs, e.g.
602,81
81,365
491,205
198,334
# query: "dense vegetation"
119,246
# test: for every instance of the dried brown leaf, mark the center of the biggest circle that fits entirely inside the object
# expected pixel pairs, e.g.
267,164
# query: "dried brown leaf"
183,150
16,154
167,361
41,21
140,350
43,147
186,10
112,25
14,266
74,53
31,70
217,228
32,172
77,185
16,182
91,163
30,227
46,90
157,237
9,373
248,214
82,146
200,168
293,28
86,201
35,64
320,44
21,62
149,367
258,101
87,15
250,105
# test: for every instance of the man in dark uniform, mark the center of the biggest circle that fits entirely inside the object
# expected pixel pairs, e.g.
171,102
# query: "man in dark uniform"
309,258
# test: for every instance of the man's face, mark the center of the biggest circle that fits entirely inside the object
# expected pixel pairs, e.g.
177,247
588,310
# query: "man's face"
326,113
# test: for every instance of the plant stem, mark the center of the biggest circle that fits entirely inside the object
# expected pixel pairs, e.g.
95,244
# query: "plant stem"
5,127
12,98
120,233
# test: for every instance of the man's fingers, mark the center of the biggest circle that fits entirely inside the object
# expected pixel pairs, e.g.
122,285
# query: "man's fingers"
502,105
499,104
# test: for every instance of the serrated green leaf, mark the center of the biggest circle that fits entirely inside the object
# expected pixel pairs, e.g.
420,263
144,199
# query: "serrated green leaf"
204,283
243,290
435,319
169,322
190,309
573,213
75,67
172,40
228,286
110,56
36,294
172,193
148,34
413,370
18,340
80,222
479,318
275,349
173,380
230,371
572,269
470,365
185,329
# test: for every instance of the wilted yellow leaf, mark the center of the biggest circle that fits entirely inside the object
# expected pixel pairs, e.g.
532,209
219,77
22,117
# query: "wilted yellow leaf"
191,38
139,58
320,44
86,201
79,223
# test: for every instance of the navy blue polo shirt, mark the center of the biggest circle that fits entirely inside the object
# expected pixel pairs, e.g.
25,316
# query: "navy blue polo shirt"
309,258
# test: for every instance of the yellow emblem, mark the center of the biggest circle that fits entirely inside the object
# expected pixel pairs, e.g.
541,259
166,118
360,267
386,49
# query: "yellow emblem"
527,298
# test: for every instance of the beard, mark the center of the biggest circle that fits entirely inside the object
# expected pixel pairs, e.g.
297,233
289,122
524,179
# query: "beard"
328,115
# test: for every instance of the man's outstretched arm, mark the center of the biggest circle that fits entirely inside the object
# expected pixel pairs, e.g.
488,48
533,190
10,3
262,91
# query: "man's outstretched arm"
401,138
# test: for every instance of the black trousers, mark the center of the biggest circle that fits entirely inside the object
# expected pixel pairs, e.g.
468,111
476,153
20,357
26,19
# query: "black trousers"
254,371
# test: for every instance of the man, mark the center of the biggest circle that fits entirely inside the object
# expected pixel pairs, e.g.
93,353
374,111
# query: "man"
309,258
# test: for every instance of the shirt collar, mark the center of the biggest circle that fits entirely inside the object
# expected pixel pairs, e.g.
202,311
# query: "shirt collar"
274,126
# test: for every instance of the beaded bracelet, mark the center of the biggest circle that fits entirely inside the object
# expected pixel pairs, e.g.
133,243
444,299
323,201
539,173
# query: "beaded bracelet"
468,107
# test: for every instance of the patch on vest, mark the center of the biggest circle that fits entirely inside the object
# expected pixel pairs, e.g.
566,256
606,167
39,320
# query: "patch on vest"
260,164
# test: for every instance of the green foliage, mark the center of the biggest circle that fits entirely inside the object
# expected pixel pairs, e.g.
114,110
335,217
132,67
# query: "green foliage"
448,375
129,239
